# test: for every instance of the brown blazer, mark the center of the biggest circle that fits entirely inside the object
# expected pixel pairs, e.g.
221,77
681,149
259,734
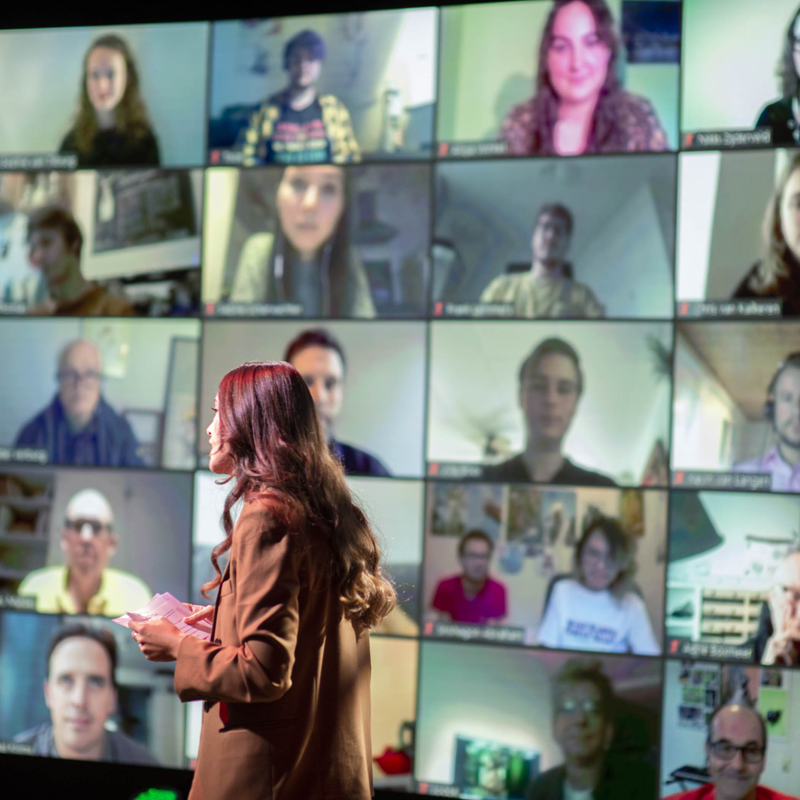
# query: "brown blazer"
288,672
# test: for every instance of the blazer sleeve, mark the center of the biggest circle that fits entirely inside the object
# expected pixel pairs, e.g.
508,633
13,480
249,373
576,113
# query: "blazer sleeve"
266,585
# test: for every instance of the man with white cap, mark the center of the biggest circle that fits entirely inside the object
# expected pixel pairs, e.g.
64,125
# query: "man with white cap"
84,584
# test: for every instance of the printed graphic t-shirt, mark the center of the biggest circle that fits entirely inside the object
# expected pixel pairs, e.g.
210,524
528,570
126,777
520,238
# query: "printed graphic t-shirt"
299,136
578,618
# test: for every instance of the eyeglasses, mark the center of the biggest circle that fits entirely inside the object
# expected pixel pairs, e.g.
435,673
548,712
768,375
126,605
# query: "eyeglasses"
72,377
599,555
569,707
726,751
83,526
477,556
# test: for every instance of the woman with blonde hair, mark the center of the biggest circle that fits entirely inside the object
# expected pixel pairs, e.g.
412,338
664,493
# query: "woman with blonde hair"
285,676
598,607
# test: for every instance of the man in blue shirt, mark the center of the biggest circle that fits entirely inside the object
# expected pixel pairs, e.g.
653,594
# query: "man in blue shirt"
79,426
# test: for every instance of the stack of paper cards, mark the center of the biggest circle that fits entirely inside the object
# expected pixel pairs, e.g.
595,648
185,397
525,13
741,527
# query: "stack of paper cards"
165,605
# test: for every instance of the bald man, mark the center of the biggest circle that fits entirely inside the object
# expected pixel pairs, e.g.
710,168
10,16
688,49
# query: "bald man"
778,638
79,426
85,584
736,749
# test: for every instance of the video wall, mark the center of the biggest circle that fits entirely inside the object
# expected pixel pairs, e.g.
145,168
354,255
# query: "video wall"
539,265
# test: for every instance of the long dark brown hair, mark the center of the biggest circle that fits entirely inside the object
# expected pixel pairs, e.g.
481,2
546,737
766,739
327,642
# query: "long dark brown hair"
269,426
623,551
130,114
790,81
335,252
606,133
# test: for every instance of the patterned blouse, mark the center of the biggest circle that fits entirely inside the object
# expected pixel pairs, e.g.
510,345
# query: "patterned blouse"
638,129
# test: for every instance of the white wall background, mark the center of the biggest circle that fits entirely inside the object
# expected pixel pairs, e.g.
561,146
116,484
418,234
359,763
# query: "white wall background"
366,53
382,410
685,746
474,389
624,223
731,53
40,76
29,358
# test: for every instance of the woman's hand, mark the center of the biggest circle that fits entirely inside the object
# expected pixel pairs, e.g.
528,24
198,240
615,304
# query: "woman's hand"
199,614
158,639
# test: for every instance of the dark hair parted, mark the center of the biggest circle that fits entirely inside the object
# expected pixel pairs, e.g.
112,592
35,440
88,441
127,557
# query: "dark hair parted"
307,40
715,713
475,535
270,428
333,259
556,210
313,337
56,218
72,630
606,133
130,114
578,671
622,550
790,81
551,347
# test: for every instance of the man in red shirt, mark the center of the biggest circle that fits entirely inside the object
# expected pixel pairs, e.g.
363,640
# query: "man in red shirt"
472,597
736,748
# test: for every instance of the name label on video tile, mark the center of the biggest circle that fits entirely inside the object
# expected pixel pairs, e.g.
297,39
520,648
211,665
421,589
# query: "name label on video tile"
226,158
30,161
438,789
469,633
254,310
727,309
745,481
689,649
19,749
454,471
17,603
26,455
472,149
714,140
474,310
15,309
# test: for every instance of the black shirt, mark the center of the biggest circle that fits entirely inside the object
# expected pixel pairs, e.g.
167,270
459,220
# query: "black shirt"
780,117
515,470
299,137
786,288
358,462
114,148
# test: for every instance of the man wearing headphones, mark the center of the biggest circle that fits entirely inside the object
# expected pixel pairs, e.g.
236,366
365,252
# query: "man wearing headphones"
782,410
298,125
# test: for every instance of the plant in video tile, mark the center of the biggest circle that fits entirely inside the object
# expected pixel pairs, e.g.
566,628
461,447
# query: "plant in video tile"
489,769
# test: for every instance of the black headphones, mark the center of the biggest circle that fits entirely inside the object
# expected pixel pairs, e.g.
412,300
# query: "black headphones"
792,360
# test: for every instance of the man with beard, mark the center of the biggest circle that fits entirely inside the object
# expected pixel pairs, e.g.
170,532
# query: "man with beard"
583,727
84,584
736,749
547,289
550,386
319,358
782,410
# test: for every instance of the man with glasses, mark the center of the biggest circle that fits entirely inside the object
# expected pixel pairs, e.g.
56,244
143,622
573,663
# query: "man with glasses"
79,426
583,726
778,638
85,584
736,749
472,597
550,386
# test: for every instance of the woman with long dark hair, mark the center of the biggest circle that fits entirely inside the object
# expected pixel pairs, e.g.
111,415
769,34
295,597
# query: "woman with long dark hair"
111,127
598,607
285,676
309,259
783,115
777,274
579,105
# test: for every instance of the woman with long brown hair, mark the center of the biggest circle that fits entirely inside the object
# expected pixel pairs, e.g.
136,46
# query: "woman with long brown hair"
285,676
579,105
777,274
111,127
